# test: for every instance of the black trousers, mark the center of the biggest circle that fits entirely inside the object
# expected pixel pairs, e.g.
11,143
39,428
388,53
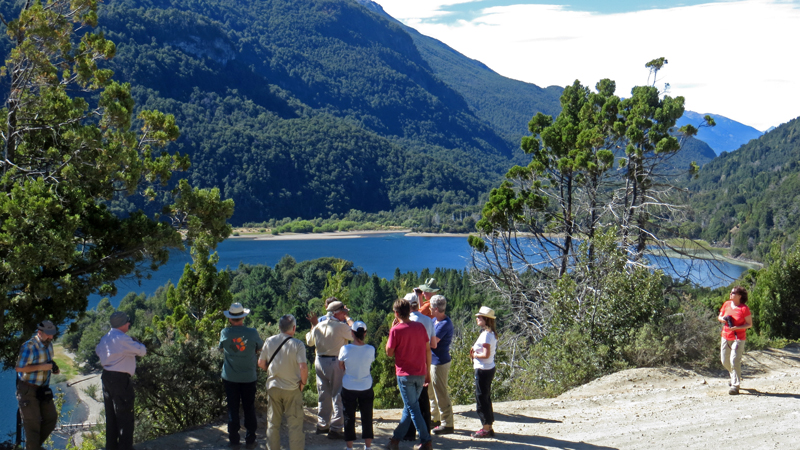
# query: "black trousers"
118,397
483,395
39,418
425,408
358,401
244,394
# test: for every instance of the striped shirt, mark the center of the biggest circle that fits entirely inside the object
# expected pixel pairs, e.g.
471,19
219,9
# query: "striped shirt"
34,352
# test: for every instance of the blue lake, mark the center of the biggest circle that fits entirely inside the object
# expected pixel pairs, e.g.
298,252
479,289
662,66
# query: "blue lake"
380,254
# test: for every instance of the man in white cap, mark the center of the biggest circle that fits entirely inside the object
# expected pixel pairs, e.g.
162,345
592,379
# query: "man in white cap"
34,366
117,352
240,345
424,398
329,337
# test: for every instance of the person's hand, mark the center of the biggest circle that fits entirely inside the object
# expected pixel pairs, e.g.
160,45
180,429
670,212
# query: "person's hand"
427,379
471,353
395,322
312,317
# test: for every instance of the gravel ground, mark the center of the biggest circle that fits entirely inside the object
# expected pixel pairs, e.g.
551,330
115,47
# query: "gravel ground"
664,408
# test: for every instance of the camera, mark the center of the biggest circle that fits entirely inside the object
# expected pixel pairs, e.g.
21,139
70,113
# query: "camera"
55,368
728,320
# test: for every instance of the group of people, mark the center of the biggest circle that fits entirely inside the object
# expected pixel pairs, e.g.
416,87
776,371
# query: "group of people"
117,352
419,341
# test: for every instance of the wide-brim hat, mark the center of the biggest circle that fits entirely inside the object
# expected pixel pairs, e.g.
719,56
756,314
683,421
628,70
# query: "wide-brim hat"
47,327
236,311
335,306
429,286
412,298
485,311
118,319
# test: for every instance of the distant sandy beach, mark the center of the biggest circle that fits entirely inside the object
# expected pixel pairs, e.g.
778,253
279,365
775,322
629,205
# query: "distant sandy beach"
339,235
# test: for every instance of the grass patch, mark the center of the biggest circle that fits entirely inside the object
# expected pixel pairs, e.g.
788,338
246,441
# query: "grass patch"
68,368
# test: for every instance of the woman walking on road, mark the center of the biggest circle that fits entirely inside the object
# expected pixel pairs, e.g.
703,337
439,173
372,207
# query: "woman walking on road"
482,354
357,394
735,315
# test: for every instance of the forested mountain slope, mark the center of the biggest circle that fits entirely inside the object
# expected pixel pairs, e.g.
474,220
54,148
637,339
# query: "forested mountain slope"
308,107
751,197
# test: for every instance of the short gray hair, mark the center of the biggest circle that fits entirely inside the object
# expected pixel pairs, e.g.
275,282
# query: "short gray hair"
439,302
286,323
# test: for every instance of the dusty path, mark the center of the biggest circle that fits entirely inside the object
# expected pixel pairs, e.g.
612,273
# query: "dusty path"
634,409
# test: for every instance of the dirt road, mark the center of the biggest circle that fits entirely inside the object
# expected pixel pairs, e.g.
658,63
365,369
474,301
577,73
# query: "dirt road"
634,409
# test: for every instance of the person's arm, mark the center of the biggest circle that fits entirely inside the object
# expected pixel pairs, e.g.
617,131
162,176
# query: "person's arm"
262,364
433,341
748,322
312,317
303,375
390,344
34,368
721,313
428,362
485,353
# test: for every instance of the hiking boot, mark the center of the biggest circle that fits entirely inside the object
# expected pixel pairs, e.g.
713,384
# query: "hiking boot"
436,423
424,446
443,430
394,444
333,434
251,445
322,430
734,390
481,434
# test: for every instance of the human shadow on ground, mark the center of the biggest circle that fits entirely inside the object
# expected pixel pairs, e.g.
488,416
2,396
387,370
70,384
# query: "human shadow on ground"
758,393
511,418
462,440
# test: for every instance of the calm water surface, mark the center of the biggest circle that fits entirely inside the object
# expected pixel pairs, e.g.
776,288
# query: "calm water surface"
380,254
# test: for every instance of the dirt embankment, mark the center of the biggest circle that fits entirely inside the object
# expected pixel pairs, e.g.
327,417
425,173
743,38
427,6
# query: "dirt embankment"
663,408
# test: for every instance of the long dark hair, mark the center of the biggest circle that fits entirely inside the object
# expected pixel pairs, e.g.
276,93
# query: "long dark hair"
360,333
741,291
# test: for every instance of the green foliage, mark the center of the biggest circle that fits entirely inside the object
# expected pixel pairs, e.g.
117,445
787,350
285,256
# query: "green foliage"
69,148
775,300
748,199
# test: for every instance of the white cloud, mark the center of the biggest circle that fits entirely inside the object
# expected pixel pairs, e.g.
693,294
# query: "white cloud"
732,58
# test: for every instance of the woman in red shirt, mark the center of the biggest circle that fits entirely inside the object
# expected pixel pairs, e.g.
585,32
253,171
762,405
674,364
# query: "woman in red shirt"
736,313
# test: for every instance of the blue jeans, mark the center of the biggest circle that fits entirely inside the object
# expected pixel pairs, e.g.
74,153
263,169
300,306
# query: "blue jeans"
410,389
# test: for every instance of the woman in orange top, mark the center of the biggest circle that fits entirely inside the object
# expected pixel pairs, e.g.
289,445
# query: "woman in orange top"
735,315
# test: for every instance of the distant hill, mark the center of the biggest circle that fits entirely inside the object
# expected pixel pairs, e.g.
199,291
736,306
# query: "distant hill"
726,136
751,197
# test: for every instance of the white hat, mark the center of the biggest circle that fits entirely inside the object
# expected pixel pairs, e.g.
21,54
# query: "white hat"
336,306
358,324
236,311
485,311
412,298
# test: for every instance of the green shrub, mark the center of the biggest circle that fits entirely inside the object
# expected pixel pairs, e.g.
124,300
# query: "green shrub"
347,225
303,226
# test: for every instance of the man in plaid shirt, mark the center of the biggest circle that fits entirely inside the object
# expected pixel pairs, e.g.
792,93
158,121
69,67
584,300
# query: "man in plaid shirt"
35,364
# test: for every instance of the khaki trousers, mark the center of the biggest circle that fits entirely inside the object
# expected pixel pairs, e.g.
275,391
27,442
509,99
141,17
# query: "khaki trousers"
289,404
730,353
441,406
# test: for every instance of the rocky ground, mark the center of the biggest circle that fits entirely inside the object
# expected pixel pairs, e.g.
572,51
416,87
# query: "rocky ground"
664,408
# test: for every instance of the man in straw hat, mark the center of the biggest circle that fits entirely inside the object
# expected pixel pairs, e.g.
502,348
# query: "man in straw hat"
240,346
329,337
34,366
118,352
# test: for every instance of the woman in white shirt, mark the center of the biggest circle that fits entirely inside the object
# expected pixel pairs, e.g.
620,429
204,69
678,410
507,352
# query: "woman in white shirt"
482,354
357,394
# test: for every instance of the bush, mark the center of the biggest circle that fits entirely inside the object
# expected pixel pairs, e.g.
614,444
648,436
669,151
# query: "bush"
303,226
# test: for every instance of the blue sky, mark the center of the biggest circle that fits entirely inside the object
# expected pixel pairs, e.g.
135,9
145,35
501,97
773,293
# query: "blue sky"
733,58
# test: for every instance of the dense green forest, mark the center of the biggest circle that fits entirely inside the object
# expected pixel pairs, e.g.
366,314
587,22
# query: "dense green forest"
750,198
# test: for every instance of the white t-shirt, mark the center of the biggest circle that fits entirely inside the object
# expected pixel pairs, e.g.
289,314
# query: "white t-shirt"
357,362
486,337
426,321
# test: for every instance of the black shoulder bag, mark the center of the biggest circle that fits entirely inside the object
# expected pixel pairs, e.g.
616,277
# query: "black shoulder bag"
276,351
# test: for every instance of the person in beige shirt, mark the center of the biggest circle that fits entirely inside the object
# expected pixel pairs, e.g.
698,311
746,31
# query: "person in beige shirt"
329,337
284,359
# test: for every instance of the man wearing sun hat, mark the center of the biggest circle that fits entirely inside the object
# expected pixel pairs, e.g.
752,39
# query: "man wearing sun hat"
329,337
117,352
241,346
426,291
34,366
